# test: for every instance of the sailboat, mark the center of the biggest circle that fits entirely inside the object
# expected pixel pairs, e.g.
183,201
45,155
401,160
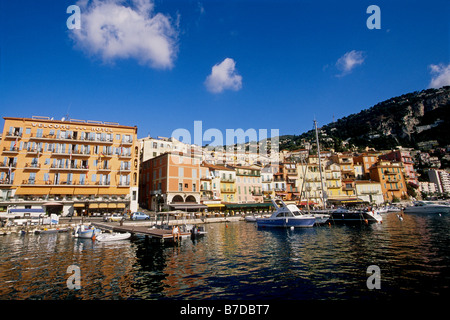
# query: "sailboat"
322,216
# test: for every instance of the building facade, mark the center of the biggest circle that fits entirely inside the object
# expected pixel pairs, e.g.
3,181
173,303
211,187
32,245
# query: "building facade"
369,191
248,184
405,158
69,166
390,175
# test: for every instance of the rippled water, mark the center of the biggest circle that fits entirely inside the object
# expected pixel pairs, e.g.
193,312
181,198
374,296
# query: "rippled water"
238,261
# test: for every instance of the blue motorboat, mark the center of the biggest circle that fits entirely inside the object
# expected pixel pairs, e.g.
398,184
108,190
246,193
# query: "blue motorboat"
286,216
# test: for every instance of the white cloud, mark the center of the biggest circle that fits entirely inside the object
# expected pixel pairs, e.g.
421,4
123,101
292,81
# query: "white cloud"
349,61
440,75
224,76
118,29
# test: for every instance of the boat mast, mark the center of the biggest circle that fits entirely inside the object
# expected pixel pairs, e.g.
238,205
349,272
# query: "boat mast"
320,165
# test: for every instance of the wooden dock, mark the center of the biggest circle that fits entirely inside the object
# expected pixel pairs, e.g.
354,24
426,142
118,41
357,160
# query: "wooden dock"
151,233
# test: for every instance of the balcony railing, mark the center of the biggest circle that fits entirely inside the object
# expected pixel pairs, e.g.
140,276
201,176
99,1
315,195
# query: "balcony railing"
10,150
32,166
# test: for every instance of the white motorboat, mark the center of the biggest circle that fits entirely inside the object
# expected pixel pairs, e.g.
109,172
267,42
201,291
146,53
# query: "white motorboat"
286,216
393,209
115,236
428,207
250,218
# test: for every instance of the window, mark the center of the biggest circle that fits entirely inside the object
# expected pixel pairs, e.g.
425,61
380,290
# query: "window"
194,187
28,130
180,187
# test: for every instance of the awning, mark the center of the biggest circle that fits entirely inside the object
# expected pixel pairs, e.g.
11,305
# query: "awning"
103,205
248,205
215,205
78,205
121,205
186,206
93,206
112,205
52,204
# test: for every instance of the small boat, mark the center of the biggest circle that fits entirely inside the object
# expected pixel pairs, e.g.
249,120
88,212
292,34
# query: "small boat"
381,210
86,232
198,232
393,209
343,215
57,230
286,216
251,218
115,236
428,207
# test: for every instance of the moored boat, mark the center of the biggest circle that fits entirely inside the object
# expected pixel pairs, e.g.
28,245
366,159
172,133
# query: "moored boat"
428,207
286,216
86,232
115,236
343,215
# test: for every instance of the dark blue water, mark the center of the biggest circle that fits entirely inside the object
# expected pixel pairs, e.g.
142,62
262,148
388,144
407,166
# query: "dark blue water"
238,261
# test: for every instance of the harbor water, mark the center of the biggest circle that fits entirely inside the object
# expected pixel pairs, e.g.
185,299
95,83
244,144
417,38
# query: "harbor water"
237,261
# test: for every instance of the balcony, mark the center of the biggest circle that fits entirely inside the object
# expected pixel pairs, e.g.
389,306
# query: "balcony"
11,150
125,169
61,167
103,168
81,154
13,135
223,179
126,142
124,184
125,155
32,166
5,165
227,190
5,182
65,183
34,151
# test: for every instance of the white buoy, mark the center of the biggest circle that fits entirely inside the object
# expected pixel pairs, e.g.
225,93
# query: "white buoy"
292,228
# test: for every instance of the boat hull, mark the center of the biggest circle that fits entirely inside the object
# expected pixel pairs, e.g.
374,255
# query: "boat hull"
112,237
283,222
355,218
427,209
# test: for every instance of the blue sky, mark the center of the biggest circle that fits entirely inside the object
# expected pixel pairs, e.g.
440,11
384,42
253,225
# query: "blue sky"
278,64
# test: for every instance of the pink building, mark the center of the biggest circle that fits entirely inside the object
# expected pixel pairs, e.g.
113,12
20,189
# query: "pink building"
248,184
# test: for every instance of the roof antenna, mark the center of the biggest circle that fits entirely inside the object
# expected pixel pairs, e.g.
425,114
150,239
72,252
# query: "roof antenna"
67,114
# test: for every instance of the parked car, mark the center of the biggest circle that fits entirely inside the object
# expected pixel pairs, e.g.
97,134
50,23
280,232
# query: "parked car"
113,217
139,216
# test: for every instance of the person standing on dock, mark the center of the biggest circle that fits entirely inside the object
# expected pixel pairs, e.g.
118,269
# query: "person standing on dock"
176,233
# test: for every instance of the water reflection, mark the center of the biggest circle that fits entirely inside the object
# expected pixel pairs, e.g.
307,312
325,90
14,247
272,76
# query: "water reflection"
237,261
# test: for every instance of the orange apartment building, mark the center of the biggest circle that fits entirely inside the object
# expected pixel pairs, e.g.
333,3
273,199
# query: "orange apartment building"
390,174
69,166
173,178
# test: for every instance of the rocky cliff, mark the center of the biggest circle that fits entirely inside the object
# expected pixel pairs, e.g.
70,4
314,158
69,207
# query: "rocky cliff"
410,120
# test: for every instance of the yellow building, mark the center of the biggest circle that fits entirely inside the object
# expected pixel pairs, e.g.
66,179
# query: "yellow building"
72,166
